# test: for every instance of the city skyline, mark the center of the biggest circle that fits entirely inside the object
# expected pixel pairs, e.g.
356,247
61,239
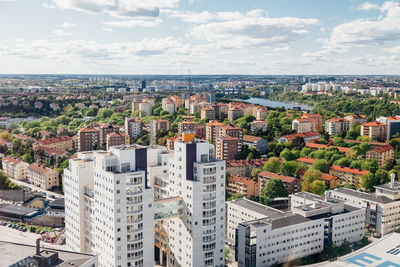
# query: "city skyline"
207,37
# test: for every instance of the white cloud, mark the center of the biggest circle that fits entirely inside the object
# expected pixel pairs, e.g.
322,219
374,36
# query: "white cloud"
191,17
133,23
106,29
254,32
116,8
367,6
60,32
68,25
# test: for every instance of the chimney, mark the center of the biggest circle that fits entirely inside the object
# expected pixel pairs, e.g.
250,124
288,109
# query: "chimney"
38,247
392,176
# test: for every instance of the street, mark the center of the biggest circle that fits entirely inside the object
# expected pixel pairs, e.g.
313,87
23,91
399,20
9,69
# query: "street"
35,188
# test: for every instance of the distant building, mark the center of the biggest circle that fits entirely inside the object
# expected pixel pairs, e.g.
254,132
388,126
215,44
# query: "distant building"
133,127
256,142
234,113
308,136
156,126
62,143
43,177
88,139
116,139
187,127
168,105
291,184
260,113
337,126
207,113
15,168
303,125
374,130
242,185
212,130
244,167
381,154
356,118
259,126
348,175
201,131
226,147
393,125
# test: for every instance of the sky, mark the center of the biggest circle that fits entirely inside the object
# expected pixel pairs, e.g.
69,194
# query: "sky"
271,37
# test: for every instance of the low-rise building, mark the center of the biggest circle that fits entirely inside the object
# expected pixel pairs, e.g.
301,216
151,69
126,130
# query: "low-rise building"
348,175
291,184
259,126
242,185
62,143
308,136
116,139
256,142
303,125
15,168
381,154
244,167
41,176
49,152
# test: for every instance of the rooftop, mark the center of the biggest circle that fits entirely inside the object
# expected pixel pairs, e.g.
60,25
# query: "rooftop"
302,135
373,124
367,196
257,207
245,162
348,170
271,175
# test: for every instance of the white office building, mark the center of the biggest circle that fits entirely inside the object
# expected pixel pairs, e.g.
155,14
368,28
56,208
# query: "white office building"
382,208
109,205
280,236
197,237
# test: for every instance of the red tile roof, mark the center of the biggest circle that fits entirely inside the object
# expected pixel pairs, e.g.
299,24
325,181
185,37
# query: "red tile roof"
318,146
54,140
348,170
50,150
215,123
306,160
250,138
382,149
271,175
39,168
245,162
373,124
303,135
243,180
338,120
117,134
327,177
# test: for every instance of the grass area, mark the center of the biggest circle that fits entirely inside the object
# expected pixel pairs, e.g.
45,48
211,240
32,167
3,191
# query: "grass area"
226,252
37,227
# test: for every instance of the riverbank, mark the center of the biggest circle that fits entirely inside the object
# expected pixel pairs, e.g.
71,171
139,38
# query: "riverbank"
276,104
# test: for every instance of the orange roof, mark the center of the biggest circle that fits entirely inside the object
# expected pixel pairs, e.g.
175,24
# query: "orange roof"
188,122
117,134
245,162
318,146
382,149
250,138
373,124
230,126
271,175
356,116
50,150
25,137
243,180
392,118
303,135
306,160
88,130
215,123
54,140
229,138
348,170
12,160
327,177
171,139
39,168
338,120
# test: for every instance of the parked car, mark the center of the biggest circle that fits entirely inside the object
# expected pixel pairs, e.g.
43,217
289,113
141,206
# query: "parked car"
10,225
24,230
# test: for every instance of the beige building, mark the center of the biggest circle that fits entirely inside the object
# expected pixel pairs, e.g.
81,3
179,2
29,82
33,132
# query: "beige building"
303,125
212,131
374,130
207,113
116,139
41,176
62,143
381,154
15,168
260,113
235,113
336,126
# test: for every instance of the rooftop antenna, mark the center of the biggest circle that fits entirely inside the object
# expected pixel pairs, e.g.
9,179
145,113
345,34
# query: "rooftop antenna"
392,176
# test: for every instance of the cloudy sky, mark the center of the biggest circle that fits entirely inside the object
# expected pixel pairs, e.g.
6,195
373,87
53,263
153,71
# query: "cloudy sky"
207,36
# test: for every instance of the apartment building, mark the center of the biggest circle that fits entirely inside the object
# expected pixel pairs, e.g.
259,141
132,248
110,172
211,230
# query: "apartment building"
207,113
260,113
212,131
259,126
109,206
227,147
316,118
201,131
280,237
356,118
307,137
375,130
242,185
62,143
256,142
244,167
168,105
116,139
88,139
15,168
337,126
133,127
393,124
187,127
381,154
178,100
43,177
382,208
156,126
235,113
291,184
197,237
348,175
303,125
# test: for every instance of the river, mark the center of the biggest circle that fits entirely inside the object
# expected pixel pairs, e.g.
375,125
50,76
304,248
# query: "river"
276,104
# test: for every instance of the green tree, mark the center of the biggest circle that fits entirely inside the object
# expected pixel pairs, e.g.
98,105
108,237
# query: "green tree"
308,178
318,187
321,165
338,141
370,165
255,172
27,158
382,176
290,168
287,155
368,181
343,162
272,165
274,188
305,151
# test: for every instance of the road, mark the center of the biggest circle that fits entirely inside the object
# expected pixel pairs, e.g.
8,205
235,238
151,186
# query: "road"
35,188
12,235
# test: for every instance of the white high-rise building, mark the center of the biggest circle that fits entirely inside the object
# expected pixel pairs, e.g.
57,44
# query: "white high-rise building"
109,205
197,237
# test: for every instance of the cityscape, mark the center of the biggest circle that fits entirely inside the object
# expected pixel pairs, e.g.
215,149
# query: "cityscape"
197,133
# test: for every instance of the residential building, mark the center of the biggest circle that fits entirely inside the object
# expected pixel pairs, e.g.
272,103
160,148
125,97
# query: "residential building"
146,107
207,113
196,238
15,168
316,118
337,126
116,139
233,131
393,125
307,137
303,125
109,206
381,154
291,184
133,127
43,177
381,208
256,142
329,180
316,146
226,147
212,131
62,143
105,129
356,118
49,152
260,113
88,139
201,131
168,105
311,223
245,186
170,142
244,167
375,130
157,126
348,175
187,127
5,143
259,126
178,100
234,113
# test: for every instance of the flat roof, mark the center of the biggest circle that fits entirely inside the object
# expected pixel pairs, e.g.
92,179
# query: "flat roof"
19,210
11,253
383,252
256,207
367,196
